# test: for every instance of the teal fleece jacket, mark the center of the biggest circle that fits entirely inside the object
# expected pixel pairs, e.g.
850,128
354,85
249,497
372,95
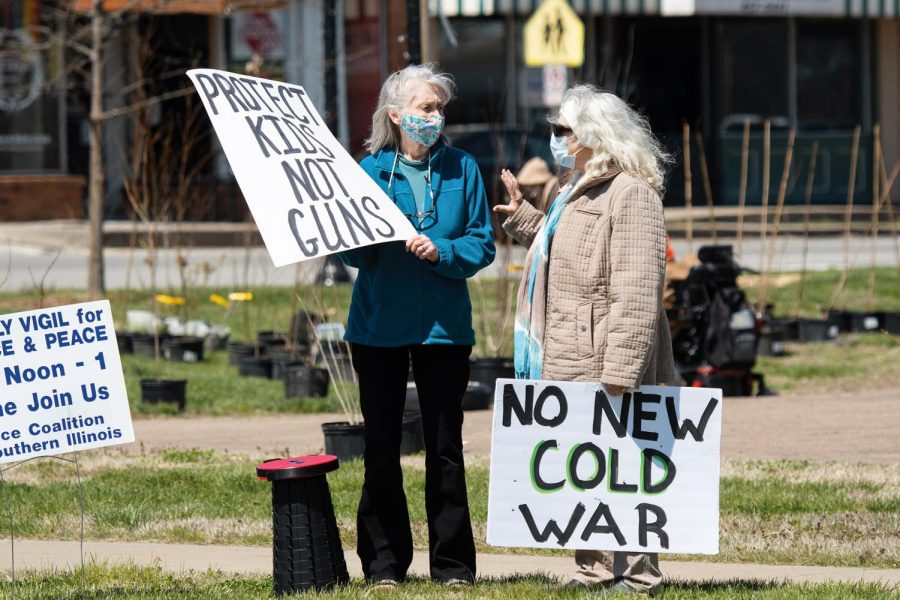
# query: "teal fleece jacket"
399,300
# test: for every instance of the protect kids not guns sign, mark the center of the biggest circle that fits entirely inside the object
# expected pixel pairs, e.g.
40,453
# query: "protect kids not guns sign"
572,467
308,197
61,383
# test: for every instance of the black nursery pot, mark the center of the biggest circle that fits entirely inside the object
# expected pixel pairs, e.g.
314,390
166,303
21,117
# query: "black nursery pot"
124,340
144,344
864,322
839,318
239,350
412,398
183,349
282,360
344,440
772,338
412,439
156,391
817,330
250,366
478,396
890,322
271,339
489,370
305,382
339,366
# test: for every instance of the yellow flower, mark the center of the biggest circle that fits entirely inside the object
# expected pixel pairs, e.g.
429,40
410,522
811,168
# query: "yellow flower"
217,299
514,268
241,296
169,300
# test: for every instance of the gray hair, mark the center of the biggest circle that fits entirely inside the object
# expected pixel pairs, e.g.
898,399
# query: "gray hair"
617,134
395,93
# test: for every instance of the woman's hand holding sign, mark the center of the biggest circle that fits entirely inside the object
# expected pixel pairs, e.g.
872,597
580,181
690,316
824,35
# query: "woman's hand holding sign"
615,390
423,247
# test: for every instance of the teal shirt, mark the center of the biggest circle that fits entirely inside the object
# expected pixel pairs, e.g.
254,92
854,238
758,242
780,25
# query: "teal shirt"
399,300
416,173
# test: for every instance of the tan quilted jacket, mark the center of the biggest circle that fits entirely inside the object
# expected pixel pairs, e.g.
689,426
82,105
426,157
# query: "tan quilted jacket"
605,320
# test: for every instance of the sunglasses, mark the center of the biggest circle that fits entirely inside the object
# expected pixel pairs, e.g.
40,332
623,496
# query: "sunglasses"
560,130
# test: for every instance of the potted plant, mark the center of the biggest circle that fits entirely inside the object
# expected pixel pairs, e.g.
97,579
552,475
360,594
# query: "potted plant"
159,390
295,351
249,356
217,339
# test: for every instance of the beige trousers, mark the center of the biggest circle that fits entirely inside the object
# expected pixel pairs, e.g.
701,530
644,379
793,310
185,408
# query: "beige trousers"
639,571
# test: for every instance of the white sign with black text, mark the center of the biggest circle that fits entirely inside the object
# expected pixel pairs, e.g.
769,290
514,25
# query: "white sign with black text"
572,467
308,197
62,382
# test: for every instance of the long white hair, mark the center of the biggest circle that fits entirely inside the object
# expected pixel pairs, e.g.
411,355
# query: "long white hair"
395,93
618,135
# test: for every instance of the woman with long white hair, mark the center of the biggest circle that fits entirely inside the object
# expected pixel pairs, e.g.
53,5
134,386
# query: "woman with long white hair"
590,300
411,306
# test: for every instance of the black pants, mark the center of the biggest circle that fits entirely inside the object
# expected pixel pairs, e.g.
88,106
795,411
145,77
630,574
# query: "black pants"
384,540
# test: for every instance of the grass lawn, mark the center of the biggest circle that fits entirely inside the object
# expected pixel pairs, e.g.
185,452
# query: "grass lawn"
215,388
818,291
852,363
146,583
771,512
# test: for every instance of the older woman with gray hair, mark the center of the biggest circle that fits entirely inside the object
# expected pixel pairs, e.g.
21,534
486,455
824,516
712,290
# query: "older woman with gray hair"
411,305
590,301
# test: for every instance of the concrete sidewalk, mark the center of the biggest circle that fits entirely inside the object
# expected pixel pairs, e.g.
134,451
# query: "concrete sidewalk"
257,561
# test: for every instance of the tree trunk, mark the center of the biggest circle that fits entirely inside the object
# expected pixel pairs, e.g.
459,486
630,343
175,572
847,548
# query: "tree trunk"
96,284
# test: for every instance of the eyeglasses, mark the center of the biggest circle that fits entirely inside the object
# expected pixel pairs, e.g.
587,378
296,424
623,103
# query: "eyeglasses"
560,130
421,216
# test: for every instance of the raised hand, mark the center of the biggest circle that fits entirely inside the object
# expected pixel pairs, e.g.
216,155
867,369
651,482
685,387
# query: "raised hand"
515,194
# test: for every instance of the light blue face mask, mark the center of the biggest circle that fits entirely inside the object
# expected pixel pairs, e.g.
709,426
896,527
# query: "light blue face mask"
560,149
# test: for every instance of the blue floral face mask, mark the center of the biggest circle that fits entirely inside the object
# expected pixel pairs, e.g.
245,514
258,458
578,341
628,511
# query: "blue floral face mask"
424,131
560,149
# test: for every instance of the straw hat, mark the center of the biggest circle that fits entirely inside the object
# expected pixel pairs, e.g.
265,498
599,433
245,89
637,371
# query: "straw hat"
534,172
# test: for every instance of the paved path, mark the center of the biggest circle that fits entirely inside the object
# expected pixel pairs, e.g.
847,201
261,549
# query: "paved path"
862,427
257,561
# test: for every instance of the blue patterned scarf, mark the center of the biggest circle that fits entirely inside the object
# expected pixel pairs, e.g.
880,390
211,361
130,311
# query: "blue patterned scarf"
531,309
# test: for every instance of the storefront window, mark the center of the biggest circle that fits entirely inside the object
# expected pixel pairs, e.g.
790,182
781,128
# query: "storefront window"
753,71
646,71
829,83
29,106
477,62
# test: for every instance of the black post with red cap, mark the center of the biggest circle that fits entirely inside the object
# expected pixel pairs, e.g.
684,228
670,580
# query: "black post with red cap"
306,542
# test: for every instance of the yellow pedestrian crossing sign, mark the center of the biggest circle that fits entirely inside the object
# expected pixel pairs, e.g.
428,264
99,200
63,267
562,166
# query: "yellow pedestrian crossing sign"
554,35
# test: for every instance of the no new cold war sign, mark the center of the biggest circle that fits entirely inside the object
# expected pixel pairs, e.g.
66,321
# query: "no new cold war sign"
61,381
308,196
572,467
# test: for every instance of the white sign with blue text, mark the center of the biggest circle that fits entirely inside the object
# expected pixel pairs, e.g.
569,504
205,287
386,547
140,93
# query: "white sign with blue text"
62,383
573,467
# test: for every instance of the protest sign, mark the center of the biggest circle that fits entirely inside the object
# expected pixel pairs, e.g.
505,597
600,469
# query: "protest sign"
308,197
62,382
572,467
